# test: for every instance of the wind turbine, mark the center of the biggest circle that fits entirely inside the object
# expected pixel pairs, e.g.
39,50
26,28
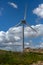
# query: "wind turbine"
23,22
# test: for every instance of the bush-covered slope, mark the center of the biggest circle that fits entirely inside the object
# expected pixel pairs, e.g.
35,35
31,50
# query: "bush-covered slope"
17,58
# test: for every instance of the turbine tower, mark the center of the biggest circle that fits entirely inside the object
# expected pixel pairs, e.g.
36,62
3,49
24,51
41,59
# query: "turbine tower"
23,22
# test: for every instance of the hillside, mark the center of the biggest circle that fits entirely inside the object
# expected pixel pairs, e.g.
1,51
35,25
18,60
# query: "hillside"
38,50
17,58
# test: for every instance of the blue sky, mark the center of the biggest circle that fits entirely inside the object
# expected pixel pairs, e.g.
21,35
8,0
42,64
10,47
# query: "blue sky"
10,15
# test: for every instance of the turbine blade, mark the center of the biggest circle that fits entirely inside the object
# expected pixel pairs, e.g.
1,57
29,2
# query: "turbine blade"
18,24
31,27
25,12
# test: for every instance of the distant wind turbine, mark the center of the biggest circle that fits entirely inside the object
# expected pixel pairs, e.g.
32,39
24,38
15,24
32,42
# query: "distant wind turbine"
23,22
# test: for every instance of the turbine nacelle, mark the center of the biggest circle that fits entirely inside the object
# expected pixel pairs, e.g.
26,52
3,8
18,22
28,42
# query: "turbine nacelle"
23,22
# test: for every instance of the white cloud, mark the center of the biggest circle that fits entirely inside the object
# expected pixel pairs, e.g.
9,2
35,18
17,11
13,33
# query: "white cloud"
13,36
17,38
39,10
13,4
41,45
2,36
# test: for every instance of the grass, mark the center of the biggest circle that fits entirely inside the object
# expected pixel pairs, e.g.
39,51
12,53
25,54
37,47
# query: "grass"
17,58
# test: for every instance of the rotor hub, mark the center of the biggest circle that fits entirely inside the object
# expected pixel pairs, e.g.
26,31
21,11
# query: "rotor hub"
23,22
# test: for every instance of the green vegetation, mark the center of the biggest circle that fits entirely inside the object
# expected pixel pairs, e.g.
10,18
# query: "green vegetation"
17,58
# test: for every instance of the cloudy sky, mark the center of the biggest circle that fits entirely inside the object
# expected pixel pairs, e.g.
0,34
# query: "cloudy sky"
11,13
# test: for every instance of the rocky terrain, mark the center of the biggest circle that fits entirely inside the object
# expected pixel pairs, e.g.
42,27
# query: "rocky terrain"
38,63
39,50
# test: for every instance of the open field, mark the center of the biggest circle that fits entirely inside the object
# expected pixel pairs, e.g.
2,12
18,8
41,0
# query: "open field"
17,58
